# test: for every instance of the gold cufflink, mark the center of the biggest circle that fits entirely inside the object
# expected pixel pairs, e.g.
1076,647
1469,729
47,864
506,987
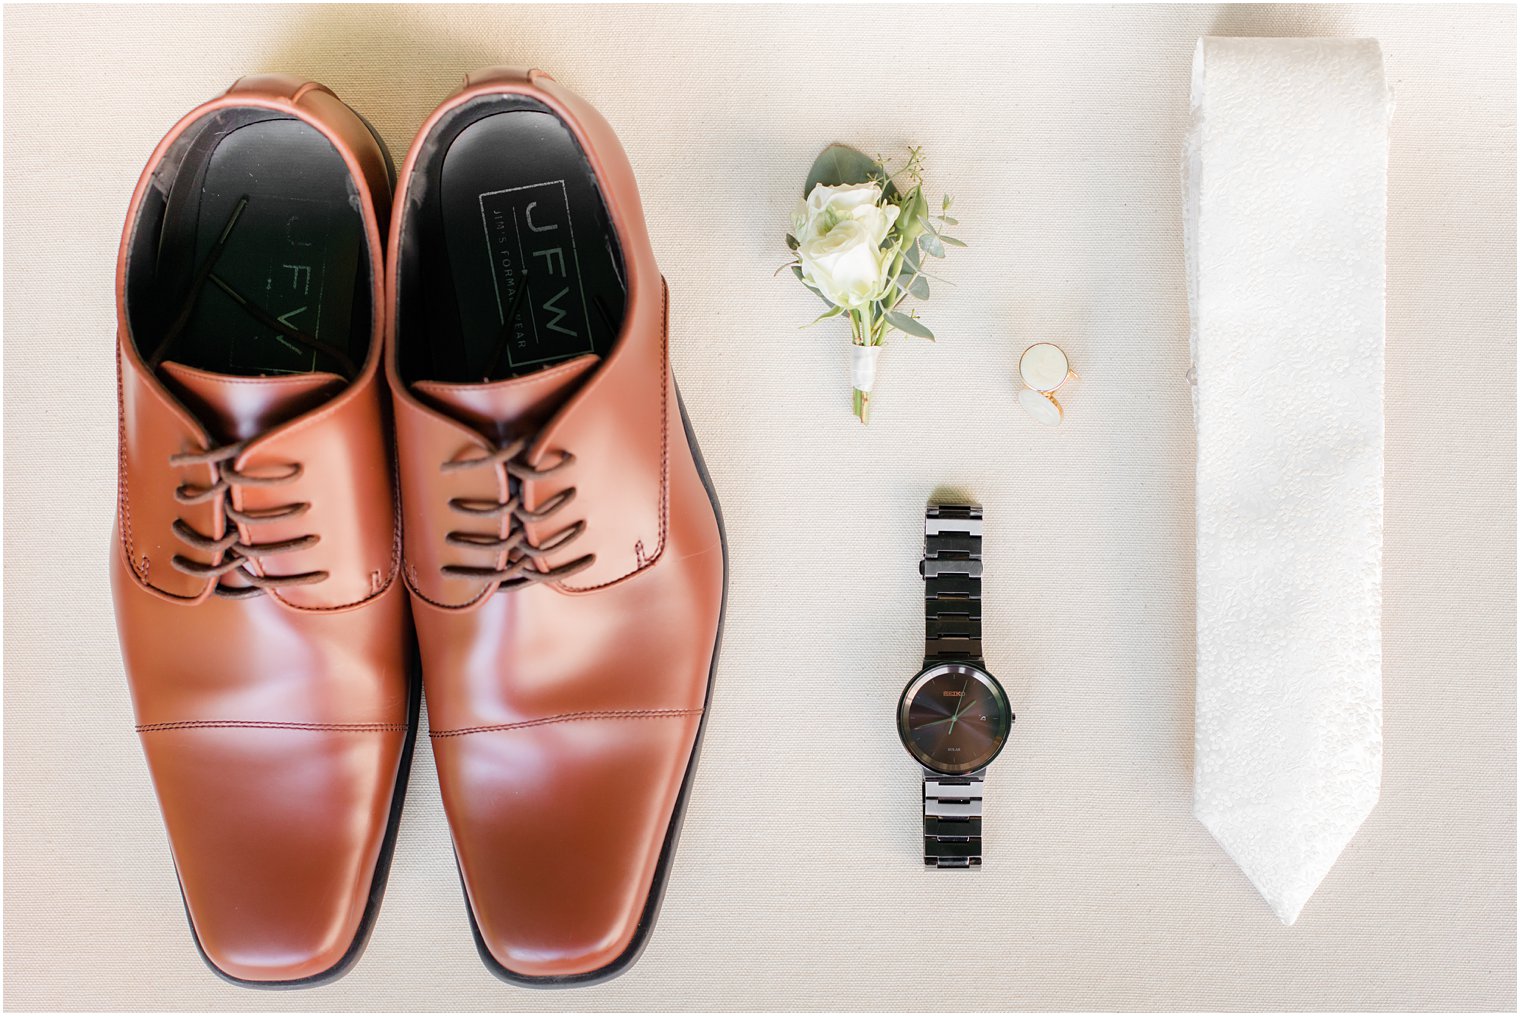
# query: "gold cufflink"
1044,368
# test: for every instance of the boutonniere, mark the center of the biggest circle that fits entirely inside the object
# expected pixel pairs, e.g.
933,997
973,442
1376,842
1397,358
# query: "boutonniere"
859,238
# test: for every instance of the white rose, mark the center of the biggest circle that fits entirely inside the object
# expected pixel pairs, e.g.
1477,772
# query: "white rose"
878,220
819,211
840,231
816,214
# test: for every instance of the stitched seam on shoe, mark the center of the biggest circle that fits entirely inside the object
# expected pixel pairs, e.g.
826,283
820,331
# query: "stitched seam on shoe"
666,383
593,714
125,504
664,447
362,728
393,466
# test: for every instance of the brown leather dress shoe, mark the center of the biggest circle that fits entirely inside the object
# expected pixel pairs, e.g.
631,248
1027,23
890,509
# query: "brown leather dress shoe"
563,545
256,542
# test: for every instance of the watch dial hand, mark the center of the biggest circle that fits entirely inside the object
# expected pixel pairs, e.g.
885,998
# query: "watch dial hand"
964,685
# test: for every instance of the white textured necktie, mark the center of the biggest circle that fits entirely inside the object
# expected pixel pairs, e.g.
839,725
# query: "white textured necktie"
1286,194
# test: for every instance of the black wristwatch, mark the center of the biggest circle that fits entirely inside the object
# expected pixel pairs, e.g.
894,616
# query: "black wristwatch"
954,716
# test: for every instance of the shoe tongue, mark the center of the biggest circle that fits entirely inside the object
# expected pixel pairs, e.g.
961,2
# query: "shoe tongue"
235,407
514,407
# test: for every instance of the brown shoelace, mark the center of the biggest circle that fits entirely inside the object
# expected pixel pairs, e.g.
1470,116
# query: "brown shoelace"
522,557
236,553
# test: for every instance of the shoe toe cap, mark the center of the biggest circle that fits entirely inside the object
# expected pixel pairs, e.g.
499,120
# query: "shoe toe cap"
559,829
276,835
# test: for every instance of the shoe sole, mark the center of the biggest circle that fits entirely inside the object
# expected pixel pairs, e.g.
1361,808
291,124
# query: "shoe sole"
646,923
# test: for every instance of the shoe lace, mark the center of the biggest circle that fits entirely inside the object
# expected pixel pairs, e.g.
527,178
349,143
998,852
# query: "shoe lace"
523,557
236,553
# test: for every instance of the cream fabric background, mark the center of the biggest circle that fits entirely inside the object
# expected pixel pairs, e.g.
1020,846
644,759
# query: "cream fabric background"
797,884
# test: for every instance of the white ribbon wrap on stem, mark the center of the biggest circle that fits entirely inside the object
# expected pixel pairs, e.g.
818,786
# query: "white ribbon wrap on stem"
863,366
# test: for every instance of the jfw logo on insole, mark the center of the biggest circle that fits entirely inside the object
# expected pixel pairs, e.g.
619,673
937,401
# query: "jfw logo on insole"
540,299
289,284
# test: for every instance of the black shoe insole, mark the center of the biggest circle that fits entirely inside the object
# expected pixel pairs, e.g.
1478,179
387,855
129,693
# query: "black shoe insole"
293,253
535,264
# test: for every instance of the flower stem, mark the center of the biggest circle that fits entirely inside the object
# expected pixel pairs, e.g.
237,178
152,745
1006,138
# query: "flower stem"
862,406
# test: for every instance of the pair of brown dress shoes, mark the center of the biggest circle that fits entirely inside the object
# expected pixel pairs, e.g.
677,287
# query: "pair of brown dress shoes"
362,438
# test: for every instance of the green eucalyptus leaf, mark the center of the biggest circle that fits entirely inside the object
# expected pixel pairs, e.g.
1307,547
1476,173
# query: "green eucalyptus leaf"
912,261
841,164
833,311
908,325
952,241
792,242
949,221
931,245
919,288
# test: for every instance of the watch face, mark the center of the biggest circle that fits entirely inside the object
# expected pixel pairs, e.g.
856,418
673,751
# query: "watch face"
954,718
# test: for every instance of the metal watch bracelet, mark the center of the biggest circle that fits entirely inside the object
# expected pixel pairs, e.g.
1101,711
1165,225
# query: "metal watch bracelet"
952,821
952,570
